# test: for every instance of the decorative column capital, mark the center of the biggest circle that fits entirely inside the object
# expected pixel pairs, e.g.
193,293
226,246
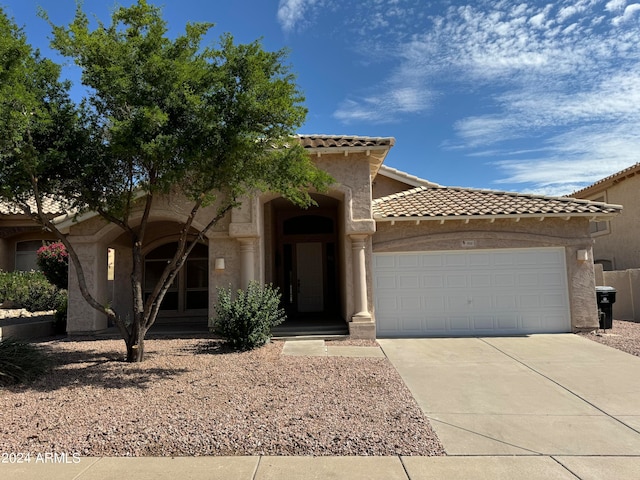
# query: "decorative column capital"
357,238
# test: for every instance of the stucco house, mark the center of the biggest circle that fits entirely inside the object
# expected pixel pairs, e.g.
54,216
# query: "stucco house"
617,240
384,253
20,237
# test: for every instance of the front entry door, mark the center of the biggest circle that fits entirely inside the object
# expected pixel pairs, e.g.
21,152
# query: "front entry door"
310,277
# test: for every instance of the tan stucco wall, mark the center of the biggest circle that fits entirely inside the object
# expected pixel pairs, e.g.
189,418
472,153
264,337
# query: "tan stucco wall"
383,186
621,245
572,235
627,285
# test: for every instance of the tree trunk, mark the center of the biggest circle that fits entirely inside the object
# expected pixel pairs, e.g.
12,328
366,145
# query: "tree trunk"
135,345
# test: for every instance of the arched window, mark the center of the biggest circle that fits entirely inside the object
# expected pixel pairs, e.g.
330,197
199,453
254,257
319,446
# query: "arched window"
26,257
190,290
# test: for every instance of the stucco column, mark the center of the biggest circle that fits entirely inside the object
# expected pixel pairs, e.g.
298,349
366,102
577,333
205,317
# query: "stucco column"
81,317
247,264
359,279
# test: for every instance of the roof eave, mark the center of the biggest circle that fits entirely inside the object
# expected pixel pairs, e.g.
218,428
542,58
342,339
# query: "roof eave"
593,217
376,154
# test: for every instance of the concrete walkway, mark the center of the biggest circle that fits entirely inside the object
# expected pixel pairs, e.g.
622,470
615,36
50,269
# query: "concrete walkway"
530,408
318,348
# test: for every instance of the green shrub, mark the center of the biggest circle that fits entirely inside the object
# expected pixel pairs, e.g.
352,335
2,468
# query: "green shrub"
60,316
53,261
246,320
20,362
29,290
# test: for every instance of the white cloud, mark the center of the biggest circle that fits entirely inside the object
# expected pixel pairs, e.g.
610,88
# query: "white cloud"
290,12
574,160
614,5
384,108
567,73
629,12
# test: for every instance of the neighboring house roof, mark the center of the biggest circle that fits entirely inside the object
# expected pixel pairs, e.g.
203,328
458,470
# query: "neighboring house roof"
50,207
405,177
608,181
454,203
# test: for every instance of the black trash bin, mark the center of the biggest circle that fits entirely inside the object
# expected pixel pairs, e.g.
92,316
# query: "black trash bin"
606,297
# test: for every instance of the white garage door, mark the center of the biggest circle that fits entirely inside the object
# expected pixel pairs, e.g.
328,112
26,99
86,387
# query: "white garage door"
481,292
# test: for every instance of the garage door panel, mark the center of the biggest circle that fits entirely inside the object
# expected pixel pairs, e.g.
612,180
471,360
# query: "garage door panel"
436,323
505,302
410,304
412,324
460,323
480,259
532,321
431,261
455,281
456,304
529,301
387,305
507,322
483,322
432,281
454,260
504,279
386,282
409,281
480,303
552,323
503,259
381,262
551,279
486,292
481,280
409,261
527,280
553,300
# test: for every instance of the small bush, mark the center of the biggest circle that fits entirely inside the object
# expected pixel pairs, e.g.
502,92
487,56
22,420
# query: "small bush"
246,321
29,290
60,315
20,362
53,261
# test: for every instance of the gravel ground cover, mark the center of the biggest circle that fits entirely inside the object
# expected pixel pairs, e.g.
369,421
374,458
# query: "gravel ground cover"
624,336
192,397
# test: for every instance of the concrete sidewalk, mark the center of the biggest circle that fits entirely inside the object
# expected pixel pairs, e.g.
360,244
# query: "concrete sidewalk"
353,468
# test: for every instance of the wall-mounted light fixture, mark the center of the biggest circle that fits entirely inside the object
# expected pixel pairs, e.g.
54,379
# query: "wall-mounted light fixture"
218,264
583,255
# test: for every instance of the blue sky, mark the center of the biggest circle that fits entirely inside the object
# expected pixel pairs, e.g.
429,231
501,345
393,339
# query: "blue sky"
539,97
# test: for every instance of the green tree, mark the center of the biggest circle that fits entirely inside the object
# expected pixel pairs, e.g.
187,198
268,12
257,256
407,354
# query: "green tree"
214,122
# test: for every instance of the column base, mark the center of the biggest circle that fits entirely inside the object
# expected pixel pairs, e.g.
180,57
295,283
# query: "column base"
362,330
363,317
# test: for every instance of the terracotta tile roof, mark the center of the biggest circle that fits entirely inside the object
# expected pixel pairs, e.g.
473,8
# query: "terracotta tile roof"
50,206
344,141
611,179
454,202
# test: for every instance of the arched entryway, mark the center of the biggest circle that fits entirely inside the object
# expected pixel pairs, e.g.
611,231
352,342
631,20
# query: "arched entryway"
305,264
186,301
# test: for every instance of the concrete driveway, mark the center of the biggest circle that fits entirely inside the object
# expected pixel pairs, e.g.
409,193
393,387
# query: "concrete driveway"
557,395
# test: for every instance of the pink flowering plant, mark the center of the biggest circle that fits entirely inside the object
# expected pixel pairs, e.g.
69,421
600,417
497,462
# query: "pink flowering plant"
53,261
